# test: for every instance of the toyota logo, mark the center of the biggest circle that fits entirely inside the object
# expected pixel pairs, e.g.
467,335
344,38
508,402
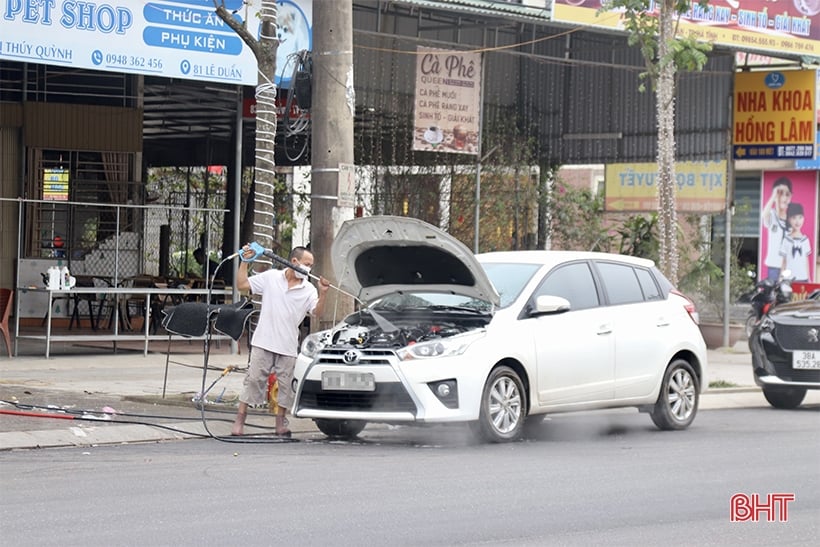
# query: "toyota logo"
812,335
351,356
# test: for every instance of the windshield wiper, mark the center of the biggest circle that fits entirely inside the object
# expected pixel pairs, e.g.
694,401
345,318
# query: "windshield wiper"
459,308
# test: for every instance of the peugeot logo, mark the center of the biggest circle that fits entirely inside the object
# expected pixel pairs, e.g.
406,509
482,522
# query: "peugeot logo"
812,335
352,356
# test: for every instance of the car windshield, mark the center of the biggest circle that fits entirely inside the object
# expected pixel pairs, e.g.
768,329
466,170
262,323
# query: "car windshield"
509,279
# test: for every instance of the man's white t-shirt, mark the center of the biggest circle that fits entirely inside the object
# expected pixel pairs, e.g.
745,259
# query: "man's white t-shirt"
282,311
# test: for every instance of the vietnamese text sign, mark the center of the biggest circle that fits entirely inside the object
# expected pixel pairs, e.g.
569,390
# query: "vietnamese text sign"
792,27
346,196
55,184
700,186
774,114
448,101
173,38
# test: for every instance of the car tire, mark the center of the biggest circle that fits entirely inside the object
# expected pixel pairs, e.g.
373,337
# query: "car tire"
340,429
787,398
503,407
678,399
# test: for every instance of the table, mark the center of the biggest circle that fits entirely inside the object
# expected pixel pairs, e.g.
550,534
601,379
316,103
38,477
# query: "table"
176,294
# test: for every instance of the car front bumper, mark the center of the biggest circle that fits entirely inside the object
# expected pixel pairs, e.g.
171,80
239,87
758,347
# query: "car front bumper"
403,392
772,365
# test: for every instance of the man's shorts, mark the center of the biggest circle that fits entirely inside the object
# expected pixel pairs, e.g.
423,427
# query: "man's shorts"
262,362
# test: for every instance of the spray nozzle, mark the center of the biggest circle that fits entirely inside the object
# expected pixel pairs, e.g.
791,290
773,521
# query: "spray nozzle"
257,249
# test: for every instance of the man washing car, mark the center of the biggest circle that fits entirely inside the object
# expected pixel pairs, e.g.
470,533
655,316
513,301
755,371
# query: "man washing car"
287,297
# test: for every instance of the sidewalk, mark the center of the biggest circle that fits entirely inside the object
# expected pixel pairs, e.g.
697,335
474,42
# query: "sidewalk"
86,400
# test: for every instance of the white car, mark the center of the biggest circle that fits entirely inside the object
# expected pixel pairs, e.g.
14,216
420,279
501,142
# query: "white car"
497,340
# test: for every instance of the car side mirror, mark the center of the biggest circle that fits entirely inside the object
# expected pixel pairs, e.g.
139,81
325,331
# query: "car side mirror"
549,304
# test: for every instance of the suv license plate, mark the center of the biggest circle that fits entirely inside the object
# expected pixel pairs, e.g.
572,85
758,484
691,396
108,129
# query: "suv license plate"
806,359
348,381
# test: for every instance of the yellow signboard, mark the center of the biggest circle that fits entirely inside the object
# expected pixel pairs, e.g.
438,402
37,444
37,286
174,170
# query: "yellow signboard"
762,25
774,114
700,186
55,184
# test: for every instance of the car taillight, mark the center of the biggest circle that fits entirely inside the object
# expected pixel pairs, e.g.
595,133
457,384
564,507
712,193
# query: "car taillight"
689,306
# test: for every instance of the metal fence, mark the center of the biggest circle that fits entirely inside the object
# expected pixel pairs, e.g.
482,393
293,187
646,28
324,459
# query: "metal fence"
115,241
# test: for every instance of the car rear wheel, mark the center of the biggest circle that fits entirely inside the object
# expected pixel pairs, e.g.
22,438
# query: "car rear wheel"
678,399
344,429
784,398
502,413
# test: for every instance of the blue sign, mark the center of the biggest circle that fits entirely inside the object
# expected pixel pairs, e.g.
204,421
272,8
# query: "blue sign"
173,38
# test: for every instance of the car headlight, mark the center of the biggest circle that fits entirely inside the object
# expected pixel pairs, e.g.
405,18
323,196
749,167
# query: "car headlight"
440,347
313,343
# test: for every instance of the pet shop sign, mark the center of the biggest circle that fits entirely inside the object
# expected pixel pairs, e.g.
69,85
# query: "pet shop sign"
447,101
173,38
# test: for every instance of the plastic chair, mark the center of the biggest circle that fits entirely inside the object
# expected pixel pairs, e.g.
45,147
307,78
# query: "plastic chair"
6,299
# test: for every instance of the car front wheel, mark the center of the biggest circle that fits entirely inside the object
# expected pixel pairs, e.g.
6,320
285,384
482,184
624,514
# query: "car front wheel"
784,398
678,399
344,429
502,413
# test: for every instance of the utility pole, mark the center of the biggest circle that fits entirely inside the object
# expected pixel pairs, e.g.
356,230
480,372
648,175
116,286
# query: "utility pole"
332,112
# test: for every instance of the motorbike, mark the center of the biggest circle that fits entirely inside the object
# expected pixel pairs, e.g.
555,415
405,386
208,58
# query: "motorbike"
768,294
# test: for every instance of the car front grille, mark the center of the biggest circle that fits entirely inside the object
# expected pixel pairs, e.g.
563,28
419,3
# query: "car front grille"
388,397
798,337
335,356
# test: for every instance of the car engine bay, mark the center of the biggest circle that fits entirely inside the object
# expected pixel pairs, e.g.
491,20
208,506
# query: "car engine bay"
367,329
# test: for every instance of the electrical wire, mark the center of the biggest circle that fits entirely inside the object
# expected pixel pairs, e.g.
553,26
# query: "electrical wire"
301,63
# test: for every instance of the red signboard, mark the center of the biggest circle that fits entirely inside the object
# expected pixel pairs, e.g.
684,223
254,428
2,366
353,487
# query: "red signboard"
249,109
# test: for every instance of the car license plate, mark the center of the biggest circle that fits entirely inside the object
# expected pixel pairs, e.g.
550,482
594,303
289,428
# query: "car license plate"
806,359
348,381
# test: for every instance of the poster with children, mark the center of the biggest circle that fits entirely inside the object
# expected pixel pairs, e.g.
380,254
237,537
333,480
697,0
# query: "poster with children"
788,225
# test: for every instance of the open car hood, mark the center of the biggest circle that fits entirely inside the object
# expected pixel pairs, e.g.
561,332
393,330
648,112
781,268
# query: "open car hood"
376,256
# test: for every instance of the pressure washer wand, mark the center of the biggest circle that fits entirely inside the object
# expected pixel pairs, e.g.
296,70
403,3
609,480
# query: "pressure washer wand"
258,251
225,372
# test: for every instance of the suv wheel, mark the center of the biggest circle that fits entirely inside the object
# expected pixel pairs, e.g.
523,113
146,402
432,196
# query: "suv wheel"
784,398
502,413
345,429
678,399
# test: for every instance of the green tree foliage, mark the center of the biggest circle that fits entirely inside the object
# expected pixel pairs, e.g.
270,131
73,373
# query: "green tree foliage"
576,218
639,236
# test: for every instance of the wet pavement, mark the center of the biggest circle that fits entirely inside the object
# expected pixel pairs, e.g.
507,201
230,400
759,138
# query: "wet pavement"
85,397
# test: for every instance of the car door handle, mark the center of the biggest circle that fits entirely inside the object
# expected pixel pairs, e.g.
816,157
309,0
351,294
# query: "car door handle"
604,329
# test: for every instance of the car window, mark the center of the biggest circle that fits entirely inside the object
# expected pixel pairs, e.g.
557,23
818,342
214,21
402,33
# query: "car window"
620,282
574,282
509,279
650,288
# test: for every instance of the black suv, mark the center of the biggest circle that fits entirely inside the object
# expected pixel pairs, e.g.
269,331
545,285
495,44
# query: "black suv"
786,353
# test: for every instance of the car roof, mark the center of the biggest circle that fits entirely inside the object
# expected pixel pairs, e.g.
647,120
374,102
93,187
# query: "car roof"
552,258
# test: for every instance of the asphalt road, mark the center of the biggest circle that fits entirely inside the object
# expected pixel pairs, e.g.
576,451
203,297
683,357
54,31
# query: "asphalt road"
584,479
